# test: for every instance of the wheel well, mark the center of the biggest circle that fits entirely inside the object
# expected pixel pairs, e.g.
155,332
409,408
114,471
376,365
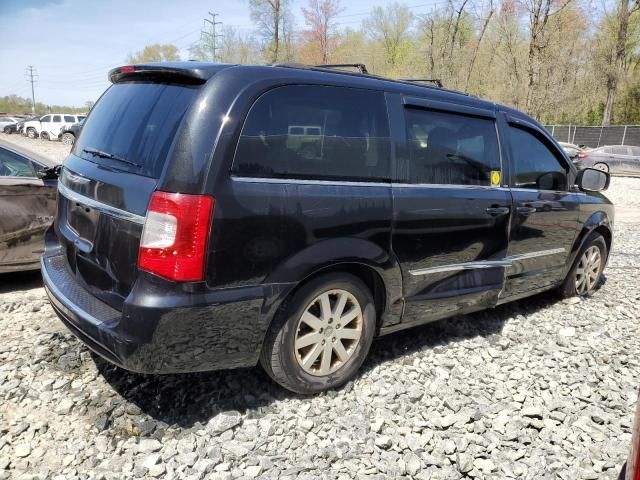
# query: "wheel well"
606,233
368,275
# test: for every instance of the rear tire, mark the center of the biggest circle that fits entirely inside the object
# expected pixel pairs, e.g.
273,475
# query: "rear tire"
313,344
603,167
585,276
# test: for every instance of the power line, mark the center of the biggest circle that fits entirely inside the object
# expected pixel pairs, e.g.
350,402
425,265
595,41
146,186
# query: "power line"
31,74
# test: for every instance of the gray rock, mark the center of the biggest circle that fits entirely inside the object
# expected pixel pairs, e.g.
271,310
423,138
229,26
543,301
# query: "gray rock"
464,462
383,441
22,450
223,422
148,445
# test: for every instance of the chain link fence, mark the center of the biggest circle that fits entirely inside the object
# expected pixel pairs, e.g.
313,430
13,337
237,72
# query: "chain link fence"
596,136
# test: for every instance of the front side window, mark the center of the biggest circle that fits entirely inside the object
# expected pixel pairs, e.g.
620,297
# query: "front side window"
315,132
12,165
46,118
449,148
535,166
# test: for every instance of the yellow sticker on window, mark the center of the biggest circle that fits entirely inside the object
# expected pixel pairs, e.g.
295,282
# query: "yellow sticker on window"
495,178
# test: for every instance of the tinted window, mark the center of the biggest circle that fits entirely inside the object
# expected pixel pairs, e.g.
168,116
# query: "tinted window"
57,118
619,150
12,165
447,148
136,122
46,118
69,118
315,132
535,165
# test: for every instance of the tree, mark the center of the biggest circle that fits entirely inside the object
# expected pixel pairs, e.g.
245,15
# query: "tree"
390,27
271,17
322,35
539,11
619,57
155,53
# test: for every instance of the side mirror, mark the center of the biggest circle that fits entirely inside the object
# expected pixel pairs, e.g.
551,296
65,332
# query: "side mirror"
592,180
49,173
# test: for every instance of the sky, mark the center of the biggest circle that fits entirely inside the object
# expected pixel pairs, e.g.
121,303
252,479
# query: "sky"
73,43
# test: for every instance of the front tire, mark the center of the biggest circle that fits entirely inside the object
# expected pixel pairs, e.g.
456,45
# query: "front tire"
321,335
31,133
585,276
68,138
603,167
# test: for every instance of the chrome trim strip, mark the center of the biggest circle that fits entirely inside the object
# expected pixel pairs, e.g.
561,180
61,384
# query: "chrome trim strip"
456,267
349,183
309,182
89,202
506,262
541,253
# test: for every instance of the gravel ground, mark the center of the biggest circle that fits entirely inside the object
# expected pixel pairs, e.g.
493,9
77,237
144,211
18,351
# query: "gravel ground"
538,389
55,151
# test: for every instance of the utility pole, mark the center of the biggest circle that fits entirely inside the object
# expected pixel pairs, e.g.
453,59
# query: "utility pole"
212,36
31,74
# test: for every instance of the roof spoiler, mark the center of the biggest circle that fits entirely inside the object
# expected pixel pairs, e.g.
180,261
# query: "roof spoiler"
158,72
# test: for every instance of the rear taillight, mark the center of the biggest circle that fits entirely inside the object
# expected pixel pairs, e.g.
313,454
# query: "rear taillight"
583,155
175,234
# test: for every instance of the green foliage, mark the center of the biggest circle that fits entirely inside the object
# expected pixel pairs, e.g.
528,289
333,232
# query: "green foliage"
155,53
627,111
20,105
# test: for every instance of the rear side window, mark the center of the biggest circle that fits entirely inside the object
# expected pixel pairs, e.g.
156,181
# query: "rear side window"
619,150
69,118
449,148
57,118
535,165
315,132
135,122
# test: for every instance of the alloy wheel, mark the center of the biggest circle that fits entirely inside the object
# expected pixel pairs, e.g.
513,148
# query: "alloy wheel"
328,332
603,167
588,270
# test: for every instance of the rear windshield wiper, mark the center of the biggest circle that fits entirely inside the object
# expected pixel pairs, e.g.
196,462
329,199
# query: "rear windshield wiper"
110,156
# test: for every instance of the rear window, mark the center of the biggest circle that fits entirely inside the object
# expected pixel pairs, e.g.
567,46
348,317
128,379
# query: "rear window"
135,122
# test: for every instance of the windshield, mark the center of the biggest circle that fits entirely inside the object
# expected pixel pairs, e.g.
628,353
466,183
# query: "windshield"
133,126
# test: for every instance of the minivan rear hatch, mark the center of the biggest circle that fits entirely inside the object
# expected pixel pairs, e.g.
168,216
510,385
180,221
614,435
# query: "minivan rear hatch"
109,177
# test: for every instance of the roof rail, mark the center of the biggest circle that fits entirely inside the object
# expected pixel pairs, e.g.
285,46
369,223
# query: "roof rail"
362,68
432,81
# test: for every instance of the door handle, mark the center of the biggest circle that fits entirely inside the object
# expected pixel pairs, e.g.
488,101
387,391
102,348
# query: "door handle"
495,211
526,211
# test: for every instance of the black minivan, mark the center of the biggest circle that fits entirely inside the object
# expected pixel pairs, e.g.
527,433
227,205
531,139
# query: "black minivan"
216,216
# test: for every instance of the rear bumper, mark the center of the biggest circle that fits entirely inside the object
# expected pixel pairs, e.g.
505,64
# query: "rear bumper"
162,328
